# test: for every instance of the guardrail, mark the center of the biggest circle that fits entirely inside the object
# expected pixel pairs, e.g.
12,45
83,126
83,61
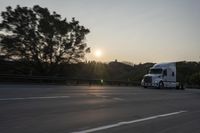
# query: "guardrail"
63,80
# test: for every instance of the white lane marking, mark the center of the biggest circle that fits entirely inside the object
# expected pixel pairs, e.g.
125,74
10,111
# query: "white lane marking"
32,98
128,122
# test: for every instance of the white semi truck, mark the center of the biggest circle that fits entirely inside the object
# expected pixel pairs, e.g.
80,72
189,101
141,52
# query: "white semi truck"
162,75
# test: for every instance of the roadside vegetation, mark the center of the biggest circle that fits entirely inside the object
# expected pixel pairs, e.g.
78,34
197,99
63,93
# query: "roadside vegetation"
91,70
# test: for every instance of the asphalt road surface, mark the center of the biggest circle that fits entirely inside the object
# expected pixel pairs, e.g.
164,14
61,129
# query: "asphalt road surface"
85,109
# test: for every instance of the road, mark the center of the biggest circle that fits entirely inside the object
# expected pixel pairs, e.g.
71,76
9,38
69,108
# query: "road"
66,109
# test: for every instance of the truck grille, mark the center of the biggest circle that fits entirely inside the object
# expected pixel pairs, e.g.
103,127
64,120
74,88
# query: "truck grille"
147,79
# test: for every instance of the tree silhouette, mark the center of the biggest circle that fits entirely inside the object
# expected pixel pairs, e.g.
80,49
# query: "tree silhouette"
43,38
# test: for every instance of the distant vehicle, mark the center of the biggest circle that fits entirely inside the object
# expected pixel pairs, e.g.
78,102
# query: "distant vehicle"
163,75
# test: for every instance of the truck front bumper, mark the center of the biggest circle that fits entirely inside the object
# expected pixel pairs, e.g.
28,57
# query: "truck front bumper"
150,84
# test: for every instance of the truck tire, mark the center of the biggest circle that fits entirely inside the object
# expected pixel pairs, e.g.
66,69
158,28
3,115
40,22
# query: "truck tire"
161,85
182,86
177,87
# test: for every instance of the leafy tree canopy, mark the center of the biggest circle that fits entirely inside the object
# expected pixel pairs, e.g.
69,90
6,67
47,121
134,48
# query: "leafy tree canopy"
37,35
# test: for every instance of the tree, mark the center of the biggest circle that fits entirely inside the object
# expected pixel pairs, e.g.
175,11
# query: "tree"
42,38
195,78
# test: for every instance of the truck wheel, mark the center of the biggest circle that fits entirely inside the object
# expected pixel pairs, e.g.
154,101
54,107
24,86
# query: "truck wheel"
177,87
161,85
182,87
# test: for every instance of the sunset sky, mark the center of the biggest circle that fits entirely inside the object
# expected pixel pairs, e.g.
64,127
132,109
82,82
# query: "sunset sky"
132,30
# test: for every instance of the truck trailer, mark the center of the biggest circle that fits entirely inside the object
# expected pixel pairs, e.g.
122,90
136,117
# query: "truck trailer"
163,75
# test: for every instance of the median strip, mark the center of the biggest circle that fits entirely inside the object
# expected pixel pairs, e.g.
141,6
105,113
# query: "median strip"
33,98
129,122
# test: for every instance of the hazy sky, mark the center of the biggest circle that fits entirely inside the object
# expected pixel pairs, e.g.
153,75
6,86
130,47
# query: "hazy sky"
133,30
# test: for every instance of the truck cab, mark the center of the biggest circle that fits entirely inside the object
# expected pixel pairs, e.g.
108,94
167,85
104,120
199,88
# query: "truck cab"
160,75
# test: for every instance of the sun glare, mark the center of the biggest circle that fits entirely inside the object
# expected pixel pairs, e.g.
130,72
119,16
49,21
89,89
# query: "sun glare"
98,53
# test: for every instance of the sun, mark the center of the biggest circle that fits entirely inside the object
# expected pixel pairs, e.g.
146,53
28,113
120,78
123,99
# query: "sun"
98,53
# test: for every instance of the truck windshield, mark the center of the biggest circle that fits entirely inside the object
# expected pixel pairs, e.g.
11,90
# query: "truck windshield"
155,71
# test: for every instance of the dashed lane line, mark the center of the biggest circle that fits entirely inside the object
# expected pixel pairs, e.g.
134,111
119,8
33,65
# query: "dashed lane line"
33,98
